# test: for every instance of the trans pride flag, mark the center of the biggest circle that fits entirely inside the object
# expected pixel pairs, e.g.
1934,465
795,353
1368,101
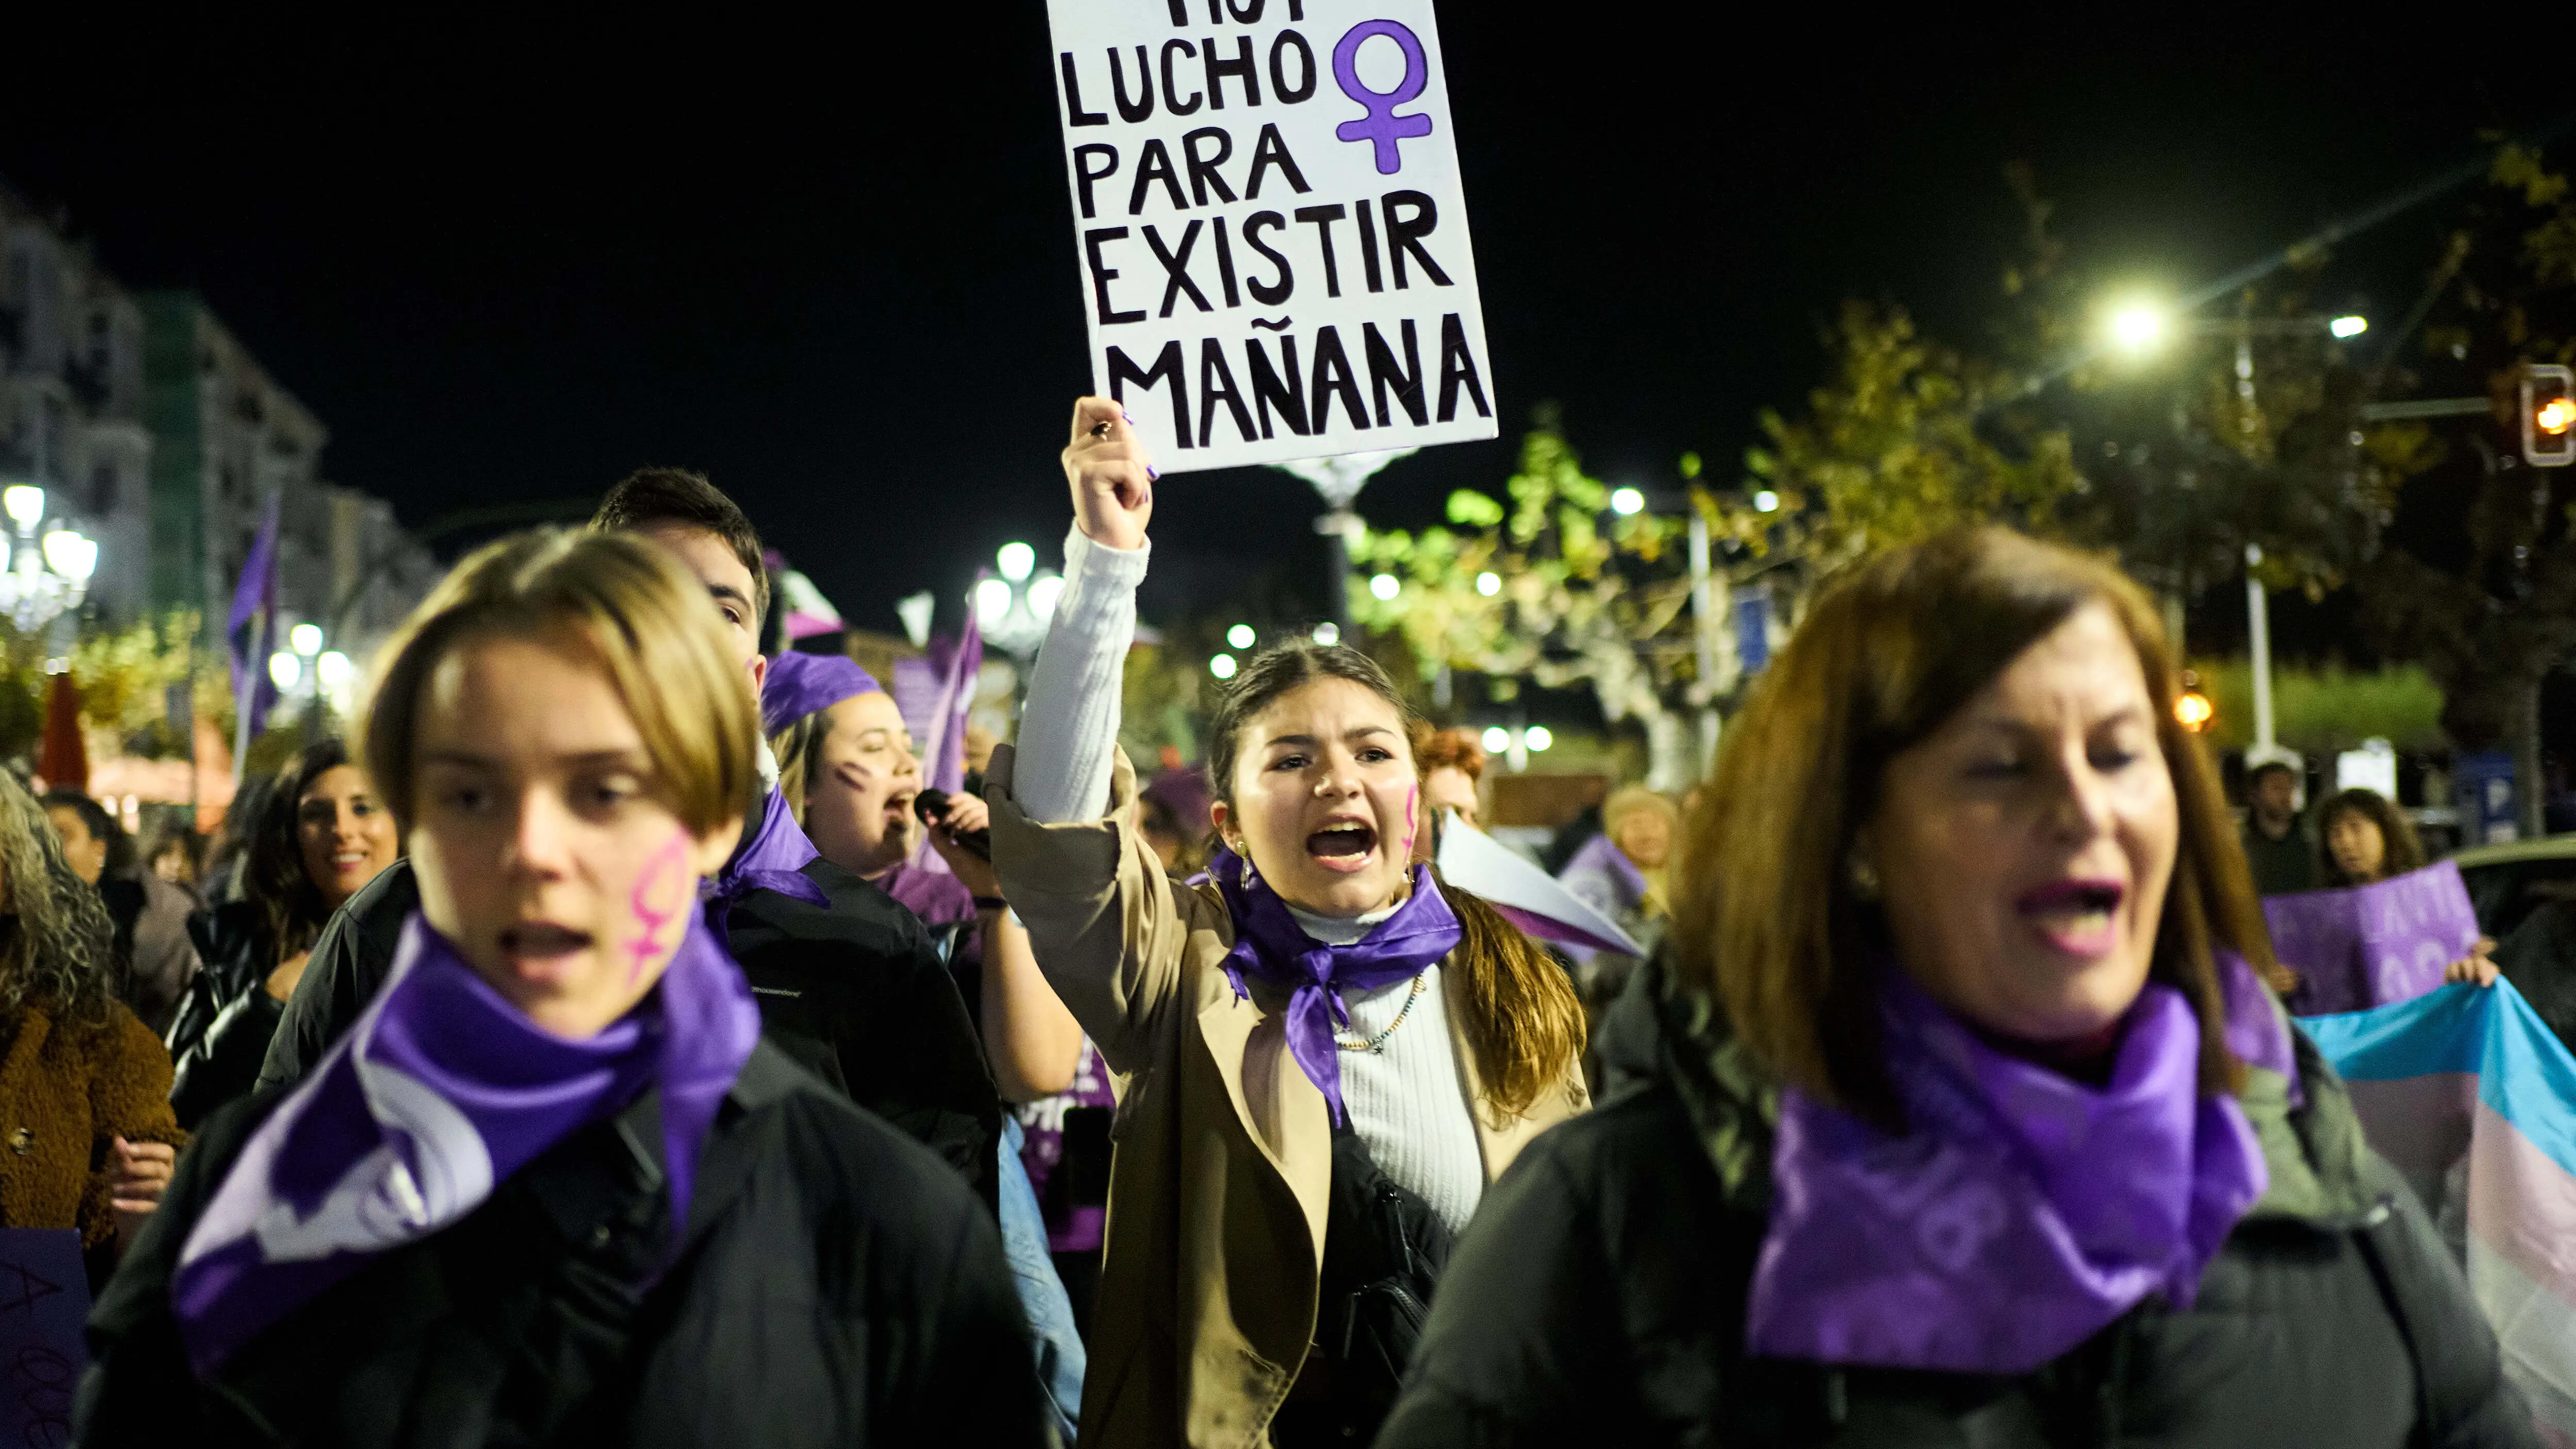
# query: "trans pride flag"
2474,1100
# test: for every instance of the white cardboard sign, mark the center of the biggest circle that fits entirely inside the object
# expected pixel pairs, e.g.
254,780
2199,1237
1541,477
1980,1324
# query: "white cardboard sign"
1269,225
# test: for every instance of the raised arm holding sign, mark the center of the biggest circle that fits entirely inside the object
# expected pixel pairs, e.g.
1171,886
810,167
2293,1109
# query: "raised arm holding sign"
1269,222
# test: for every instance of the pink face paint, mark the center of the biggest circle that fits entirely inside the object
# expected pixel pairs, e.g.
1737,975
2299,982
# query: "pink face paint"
669,864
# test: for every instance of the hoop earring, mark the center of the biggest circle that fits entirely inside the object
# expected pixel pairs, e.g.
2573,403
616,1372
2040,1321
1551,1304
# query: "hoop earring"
1864,877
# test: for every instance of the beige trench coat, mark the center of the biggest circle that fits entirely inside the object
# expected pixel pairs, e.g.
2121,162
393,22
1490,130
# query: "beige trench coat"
1224,1156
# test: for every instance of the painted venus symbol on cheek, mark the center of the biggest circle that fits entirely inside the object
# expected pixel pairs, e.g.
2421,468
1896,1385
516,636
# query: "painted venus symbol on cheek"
671,861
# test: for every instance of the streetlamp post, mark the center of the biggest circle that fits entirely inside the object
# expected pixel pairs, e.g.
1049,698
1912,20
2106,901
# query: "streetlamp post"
1013,605
1340,480
2141,328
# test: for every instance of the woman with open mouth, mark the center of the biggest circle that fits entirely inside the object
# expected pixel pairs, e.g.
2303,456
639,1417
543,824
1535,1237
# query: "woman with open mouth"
1962,1109
1324,1055
553,1186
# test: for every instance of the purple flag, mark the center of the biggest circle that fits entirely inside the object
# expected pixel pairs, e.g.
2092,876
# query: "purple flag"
943,745
252,632
2372,945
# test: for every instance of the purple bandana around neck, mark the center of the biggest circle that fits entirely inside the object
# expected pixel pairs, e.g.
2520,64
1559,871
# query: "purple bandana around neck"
1269,944
437,1095
773,859
797,684
2023,1212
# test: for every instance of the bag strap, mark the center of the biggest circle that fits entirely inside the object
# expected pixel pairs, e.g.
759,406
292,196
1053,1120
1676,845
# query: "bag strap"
2366,1236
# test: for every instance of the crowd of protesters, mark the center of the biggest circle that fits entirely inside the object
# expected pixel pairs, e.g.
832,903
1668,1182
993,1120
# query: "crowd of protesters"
617,1039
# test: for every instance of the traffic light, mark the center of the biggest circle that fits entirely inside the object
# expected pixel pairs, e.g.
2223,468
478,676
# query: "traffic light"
2192,708
2548,415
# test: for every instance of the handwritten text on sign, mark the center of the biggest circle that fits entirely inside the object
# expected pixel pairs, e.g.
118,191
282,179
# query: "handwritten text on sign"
1272,235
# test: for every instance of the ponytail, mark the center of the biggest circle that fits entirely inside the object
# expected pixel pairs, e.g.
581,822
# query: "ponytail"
1521,1017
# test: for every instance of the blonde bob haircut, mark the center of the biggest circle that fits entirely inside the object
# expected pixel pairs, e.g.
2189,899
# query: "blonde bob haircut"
1768,919
634,611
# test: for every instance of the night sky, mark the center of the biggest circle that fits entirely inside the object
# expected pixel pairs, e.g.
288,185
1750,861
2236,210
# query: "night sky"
511,262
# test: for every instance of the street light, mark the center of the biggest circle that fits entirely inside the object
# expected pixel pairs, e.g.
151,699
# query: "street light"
1241,636
1222,666
305,639
1497,739
1766,501
1489,583
2348,326
1537,737
1016,560
2137,327
1627,502
1328,633
1385,586
44,577
334,670
284,669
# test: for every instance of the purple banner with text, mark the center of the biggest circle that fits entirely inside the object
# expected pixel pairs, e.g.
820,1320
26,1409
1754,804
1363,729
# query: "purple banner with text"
2372,945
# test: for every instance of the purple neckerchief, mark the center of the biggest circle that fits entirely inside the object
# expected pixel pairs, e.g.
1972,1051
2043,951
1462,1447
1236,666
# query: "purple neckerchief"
438,1094
2022,1211
1270,944
773,859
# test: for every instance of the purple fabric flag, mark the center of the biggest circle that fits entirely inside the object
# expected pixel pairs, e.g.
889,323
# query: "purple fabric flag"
1269,944
943,749
2020,1213
251,634
441,1091
2372,945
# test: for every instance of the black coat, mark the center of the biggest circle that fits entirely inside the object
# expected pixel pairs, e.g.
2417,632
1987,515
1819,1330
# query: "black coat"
226,1018
838,1286
855,992
1599,1297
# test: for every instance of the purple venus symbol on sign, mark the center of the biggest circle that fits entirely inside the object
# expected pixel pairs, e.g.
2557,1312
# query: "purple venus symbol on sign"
1382,125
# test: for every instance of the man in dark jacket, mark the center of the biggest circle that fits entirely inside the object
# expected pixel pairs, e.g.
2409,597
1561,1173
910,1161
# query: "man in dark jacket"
1599,1297
850,984
559,1312
2283,859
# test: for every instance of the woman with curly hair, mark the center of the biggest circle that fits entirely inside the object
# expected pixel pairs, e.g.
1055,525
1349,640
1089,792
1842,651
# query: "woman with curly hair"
84,1086
321,834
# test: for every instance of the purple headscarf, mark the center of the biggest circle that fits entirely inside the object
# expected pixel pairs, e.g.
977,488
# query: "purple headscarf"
1268,943
2022,1212
441,1091
799,684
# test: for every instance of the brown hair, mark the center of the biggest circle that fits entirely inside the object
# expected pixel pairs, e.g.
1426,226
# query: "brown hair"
635,611
1522,1019
1767,918
291,909
1454,748
2401,849
651,496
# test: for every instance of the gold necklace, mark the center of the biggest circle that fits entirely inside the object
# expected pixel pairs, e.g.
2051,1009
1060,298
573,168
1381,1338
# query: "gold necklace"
1376,1046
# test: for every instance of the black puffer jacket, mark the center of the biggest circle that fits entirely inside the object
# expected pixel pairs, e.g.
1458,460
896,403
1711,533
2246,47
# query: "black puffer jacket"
837,1286
1599,1298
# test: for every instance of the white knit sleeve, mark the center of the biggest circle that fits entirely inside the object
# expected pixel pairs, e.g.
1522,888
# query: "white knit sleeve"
1069,726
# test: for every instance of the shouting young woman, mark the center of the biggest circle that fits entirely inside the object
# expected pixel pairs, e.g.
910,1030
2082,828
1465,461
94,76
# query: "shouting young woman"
1323,1056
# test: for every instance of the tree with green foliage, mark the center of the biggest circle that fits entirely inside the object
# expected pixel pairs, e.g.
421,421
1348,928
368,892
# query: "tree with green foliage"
2483,592
1553,589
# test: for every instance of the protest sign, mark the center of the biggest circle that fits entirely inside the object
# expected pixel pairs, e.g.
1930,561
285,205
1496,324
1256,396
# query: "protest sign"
1270,227
2372,945
44,1299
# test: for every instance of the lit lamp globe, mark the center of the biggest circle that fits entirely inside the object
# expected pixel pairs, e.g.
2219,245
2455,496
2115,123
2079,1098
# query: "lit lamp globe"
25,505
